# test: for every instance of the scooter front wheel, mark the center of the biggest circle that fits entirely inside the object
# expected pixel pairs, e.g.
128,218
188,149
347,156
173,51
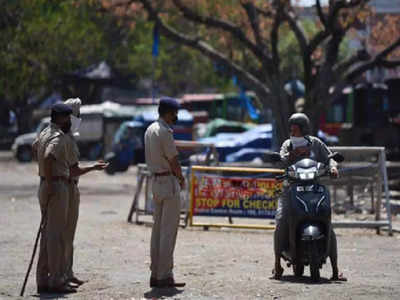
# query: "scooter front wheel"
314,269
314,263
298,270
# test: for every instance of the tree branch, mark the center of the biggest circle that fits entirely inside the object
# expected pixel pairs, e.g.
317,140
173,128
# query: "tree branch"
339,5
320,13
361,55
298,30
275,38
267,14
114,5
389,64
377,61
205,49
301,37
330,23
226,26
252,15
317,40
389,49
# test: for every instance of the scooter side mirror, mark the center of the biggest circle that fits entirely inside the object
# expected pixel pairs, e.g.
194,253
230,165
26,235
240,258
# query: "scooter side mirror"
336,156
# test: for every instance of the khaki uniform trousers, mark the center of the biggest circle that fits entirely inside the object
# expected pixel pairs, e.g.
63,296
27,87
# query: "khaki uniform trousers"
51,263
166,198
72,220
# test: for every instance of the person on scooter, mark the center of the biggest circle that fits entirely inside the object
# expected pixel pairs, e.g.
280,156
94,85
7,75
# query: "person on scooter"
300,145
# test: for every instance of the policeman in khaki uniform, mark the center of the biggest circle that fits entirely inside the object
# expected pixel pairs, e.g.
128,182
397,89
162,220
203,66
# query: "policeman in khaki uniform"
167,181
57,154
54,172
74,195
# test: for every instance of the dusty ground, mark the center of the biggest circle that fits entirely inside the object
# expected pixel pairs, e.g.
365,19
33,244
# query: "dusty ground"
216,264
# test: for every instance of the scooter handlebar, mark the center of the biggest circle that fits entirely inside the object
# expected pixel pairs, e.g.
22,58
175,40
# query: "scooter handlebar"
281,177
325,174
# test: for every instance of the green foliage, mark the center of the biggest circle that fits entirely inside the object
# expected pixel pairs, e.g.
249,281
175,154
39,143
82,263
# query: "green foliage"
41,40
45,40
290,52
177,69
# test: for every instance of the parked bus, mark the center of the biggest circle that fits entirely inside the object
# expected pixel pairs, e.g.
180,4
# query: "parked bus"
228,106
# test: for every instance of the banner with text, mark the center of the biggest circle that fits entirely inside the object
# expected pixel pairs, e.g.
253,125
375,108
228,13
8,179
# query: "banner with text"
234,196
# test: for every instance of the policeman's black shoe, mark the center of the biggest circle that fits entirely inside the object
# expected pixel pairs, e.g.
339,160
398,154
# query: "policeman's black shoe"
76,281
42,289
153,282
72,285
64,289
169,283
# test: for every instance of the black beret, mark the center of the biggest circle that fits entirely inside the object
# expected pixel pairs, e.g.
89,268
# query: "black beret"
61,108
169,102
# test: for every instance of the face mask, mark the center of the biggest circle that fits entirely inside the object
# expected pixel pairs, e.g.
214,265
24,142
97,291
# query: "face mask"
298,142
75,124
66,127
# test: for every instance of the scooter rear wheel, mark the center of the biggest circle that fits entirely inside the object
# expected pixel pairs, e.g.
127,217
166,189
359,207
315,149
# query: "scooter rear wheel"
314,263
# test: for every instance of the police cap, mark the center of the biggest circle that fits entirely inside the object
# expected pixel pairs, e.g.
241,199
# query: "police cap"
61,108
169,102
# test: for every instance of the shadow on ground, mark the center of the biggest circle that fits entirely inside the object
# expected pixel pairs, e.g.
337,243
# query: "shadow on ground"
158,293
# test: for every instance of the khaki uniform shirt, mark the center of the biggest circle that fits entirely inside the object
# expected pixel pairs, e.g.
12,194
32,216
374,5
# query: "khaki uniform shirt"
53,141
73,151
159,146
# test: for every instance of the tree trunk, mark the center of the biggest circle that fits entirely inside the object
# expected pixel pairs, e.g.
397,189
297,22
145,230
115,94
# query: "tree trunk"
317,102
281,110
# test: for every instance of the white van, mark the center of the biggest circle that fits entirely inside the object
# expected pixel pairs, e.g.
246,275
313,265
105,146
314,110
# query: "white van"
90,140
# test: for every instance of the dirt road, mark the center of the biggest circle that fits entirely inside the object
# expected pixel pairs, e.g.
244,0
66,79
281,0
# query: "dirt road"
217,264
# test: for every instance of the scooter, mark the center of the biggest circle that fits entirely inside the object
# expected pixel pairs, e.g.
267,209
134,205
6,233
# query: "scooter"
310,216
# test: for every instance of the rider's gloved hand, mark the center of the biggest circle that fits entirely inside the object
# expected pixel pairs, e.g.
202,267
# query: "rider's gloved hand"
334,172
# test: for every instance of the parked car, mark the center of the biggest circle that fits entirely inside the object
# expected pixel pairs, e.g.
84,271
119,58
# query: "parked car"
90,140
127,147
8,128
22,146
128,142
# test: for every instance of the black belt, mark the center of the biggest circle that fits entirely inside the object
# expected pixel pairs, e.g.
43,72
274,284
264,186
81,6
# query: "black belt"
62,178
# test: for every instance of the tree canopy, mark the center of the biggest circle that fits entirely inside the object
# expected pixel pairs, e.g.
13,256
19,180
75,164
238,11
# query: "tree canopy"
245,36
41,41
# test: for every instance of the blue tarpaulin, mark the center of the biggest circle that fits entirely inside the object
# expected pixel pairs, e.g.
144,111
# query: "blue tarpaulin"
245,100
260,137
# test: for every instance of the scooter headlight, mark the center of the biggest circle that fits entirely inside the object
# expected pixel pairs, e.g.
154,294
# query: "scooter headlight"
307,174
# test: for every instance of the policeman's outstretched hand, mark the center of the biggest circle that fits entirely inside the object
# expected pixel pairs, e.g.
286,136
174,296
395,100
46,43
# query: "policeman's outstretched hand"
100,165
